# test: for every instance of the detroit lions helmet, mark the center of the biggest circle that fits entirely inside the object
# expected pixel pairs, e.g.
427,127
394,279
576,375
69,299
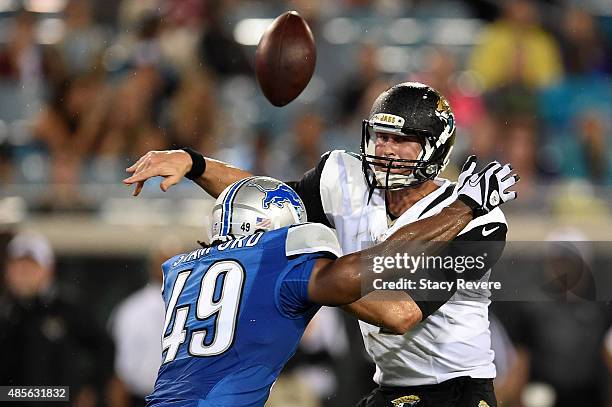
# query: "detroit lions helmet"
409,108
255,204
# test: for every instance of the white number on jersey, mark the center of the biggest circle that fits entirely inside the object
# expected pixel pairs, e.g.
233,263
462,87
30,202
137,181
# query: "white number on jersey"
225,311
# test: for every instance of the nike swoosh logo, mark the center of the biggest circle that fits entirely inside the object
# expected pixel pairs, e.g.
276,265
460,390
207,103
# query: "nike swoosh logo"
486,232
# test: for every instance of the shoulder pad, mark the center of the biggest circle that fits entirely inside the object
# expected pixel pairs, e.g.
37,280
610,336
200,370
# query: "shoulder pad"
178,259
167,265
343,185
352,154
342,153
311,238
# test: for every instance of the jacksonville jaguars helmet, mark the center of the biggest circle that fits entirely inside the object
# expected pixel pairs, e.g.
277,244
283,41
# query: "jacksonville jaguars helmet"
255,204
408,109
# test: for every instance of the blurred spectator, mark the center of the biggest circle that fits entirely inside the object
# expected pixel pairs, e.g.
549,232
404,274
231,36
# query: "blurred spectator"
5,237
583,48
146,50
307,133
511,365
132,126
290,390
562,338
130,11
356,84
531,61
518,141
136,326
142,95
138,43
45,339
70,127
218,49
195,114
6,168
442,73
182,28
323,344
304,148
71,120
23,59
187,13
262,154
516,50
484,141
313,375
592,138
514,109
578,129
607,351
83,42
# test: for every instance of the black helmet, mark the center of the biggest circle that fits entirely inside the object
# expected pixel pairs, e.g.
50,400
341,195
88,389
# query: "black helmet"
408,109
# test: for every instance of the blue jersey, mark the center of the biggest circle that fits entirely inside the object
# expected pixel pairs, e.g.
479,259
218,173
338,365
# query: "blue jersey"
235,314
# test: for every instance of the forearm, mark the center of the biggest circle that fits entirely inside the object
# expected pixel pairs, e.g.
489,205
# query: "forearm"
345,280
425,237
394,311
440,228
218,176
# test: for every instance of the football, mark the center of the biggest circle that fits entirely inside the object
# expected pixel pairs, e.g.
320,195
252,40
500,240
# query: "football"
285,58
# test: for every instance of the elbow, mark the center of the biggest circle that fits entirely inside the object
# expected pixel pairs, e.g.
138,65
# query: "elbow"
402,326
405,320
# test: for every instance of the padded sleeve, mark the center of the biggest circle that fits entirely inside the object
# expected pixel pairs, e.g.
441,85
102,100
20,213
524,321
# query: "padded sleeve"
309,189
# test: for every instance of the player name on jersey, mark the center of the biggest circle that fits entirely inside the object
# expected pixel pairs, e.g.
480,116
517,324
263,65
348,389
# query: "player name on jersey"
240,242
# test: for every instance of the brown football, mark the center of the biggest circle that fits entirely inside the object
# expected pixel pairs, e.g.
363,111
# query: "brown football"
285,58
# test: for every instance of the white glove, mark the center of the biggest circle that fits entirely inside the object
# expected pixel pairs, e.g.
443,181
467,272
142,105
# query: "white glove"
487,189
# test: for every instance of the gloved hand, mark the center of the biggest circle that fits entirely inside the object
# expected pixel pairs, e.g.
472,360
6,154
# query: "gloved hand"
485,190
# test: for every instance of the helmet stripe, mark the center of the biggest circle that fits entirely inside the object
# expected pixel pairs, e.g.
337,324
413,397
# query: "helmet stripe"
226,209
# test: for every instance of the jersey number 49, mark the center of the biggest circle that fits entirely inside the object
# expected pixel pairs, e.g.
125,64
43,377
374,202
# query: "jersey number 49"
230,276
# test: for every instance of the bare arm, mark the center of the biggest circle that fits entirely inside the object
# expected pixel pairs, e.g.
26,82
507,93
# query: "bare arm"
218,176
402,315
393,310
174,164
339,282
397,311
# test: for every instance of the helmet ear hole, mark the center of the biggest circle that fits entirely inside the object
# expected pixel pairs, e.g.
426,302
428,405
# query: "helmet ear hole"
431,169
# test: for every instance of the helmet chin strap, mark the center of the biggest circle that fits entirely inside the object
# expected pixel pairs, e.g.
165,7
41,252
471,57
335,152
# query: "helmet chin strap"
222,239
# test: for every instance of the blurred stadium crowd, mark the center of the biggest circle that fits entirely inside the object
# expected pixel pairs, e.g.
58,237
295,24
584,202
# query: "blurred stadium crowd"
86,87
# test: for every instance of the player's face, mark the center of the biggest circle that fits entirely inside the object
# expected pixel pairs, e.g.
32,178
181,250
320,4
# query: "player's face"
397,147
25,278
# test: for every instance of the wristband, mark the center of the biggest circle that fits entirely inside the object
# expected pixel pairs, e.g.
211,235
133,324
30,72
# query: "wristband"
198,164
